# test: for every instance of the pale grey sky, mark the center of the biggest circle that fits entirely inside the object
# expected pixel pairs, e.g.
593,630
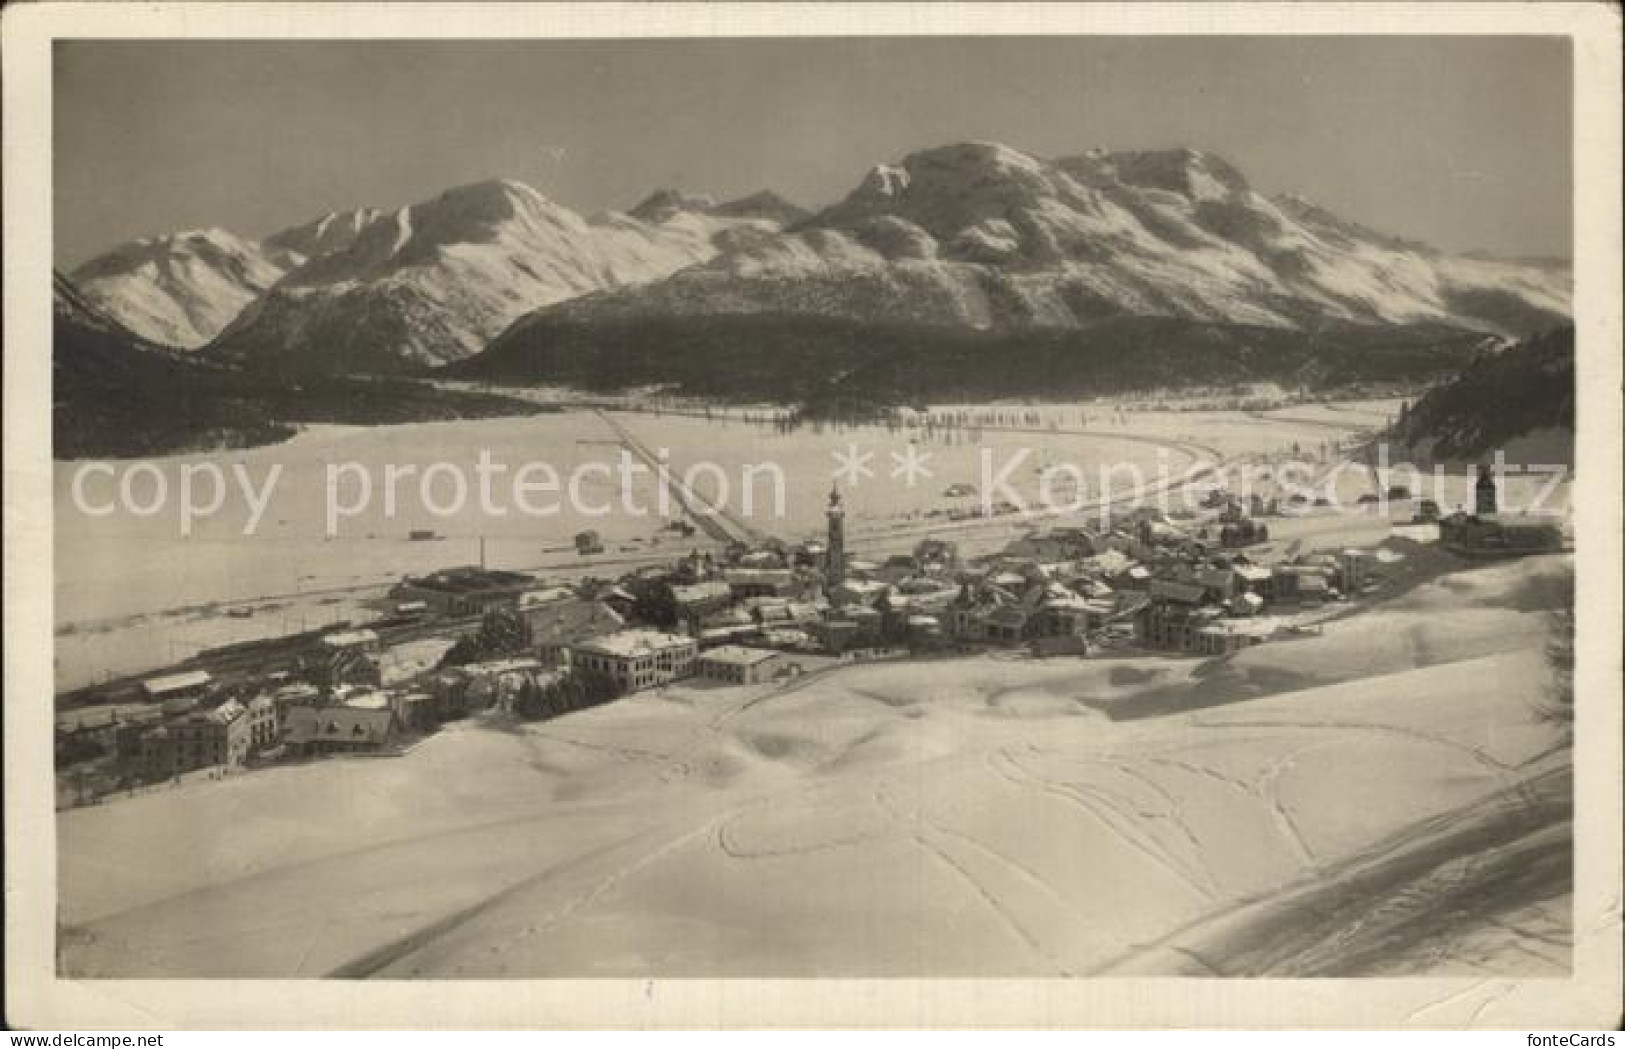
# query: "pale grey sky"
1463,142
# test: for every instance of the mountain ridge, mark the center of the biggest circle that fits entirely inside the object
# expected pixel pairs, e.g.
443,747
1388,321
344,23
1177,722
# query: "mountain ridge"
435,281
983,236
182,289
975,235
117,394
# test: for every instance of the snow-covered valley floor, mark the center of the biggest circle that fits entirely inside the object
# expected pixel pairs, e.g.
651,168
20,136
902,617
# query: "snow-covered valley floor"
1389,797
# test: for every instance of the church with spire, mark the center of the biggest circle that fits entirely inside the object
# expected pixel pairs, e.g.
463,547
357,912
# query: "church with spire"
835,544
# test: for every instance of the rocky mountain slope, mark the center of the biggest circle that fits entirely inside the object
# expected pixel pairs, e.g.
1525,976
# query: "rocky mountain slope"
182,289
116,394
436,281
1519,401
979,235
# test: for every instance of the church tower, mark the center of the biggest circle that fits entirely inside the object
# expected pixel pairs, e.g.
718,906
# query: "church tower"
835,547
1485,492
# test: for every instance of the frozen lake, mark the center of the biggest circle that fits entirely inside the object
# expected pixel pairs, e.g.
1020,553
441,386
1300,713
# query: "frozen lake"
133,592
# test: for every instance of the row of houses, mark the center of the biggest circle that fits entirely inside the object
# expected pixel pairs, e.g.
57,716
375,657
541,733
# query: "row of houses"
352,692
764,602
1196,606
210,727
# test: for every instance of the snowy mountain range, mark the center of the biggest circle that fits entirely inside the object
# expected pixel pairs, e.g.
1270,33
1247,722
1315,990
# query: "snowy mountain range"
115,393
984,236
973,236
433,280
436,281
182,289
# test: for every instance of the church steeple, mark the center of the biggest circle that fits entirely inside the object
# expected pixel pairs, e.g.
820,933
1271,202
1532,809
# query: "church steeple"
1484,492
835,547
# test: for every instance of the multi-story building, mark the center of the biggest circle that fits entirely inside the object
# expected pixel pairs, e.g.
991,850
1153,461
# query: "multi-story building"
201,739
340,729
264,722
1173,614
637,659
737,665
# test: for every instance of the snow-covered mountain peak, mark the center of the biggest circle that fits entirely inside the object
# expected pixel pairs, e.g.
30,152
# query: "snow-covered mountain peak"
212,236
976,159
180,288
437,280
952,170
1191,173
467,212
883,182
967,192
663,204
166,249
763,204
502,216
334,231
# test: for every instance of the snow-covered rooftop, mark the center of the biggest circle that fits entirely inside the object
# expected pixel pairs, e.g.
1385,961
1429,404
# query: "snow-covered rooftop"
158,686
738,655
628,643
349,638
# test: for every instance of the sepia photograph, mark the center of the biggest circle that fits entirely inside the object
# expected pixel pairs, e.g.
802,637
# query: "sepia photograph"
730,506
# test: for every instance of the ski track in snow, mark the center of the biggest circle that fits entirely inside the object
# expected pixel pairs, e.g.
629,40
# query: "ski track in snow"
1269,790
1102,811
921,833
